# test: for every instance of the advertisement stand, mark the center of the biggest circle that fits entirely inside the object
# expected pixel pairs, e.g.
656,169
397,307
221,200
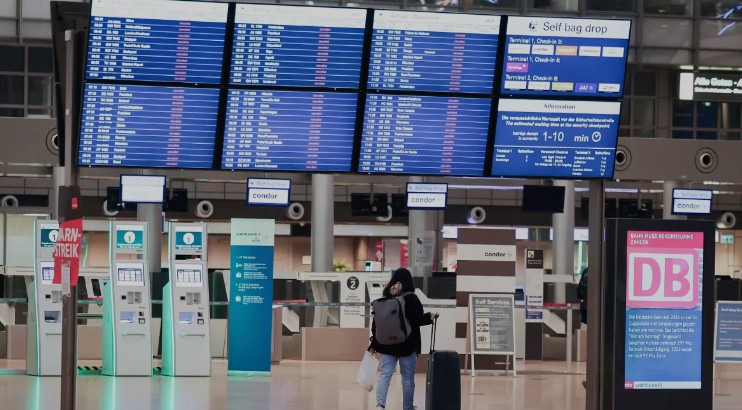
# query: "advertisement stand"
657,311
492,328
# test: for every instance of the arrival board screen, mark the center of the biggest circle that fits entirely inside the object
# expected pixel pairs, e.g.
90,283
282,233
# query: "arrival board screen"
408,134
442,52
555,139
664,310
164,41
565,57
289,131
297,46
148,126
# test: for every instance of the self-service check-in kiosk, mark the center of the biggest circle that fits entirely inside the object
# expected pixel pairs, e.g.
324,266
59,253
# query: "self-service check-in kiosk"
44,337
127,346
186,349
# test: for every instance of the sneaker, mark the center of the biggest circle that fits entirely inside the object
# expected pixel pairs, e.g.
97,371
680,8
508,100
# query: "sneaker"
379,406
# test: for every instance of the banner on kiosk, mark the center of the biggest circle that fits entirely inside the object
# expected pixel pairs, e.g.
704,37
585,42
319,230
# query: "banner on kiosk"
251,295
67,253
664,311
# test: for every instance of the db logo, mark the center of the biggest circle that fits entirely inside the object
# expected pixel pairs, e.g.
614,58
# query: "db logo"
662,278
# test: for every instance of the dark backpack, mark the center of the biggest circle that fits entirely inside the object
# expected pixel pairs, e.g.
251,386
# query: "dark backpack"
392,326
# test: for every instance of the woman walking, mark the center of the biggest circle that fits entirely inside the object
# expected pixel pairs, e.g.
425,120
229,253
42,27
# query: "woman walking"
394,345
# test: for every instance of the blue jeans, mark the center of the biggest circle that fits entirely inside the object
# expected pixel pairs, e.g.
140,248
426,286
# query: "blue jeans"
407,369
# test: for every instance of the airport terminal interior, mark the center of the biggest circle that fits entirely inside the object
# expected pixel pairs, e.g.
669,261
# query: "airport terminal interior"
212,204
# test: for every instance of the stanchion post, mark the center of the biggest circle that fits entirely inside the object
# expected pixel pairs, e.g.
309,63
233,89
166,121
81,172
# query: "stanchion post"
595,297
569,338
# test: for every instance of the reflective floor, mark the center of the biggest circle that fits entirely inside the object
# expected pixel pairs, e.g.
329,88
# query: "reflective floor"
316,386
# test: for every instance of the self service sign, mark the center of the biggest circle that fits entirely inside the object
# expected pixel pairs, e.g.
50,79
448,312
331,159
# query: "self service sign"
275,192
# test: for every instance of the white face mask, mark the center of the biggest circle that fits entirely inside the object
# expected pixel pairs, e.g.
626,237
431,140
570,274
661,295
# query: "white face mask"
396,289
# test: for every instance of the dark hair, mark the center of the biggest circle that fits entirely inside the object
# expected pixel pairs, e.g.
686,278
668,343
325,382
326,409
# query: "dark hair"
403,276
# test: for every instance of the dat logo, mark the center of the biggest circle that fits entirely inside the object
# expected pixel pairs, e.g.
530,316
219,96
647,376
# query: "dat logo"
666,279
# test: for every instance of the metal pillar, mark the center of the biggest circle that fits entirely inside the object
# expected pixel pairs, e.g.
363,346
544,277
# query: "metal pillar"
595,298
563,245
668,186
152,214
424,225
68,178
323,222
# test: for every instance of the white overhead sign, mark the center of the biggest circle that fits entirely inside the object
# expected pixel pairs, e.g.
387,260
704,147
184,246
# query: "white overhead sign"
691,201
426,196
275,192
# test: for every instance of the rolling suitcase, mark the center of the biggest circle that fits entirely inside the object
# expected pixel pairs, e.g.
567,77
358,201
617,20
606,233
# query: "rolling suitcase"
443,382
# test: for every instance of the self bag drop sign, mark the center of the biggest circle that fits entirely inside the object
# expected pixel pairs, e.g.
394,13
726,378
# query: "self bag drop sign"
663,310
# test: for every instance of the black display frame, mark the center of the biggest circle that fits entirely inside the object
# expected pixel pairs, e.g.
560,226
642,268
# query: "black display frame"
492,97
227,87
121,189
614,318
220,115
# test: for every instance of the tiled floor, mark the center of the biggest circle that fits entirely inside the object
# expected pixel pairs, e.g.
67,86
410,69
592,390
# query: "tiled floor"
311,386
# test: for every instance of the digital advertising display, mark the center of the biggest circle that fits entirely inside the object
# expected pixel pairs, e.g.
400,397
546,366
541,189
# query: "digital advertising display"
163,41
444,52
664,310
555,139
408,134
728,335
289,131
148,126
565,57
297,46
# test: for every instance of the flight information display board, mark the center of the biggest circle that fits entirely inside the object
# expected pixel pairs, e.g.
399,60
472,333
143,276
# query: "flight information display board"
408,134
565,57
148,126
289,131
442,52
163,41
555,139
297,46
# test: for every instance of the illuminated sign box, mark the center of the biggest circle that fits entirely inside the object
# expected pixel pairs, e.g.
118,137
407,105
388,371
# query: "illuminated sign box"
426,196
691,201
272,192
710,87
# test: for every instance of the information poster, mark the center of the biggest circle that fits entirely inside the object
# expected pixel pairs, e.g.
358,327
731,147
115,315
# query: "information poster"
48,234
189,238
492,320
534,285
251,295
664,310
564,139
353,291
728,345
565,57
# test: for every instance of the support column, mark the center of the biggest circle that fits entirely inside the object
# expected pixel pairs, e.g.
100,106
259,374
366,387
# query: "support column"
58,174
668,186
563,244
152,214
595,298
323,221
424,227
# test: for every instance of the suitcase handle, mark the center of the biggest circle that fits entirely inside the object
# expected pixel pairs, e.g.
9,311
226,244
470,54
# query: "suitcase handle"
432,335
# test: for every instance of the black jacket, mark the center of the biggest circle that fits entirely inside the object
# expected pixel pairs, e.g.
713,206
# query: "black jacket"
582,295
413,312
413,344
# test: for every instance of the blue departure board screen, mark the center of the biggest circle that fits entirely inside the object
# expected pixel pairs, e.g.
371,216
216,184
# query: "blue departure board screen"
162,41
565,57
297,46
444,52
148,126
555,139
411,134
289,131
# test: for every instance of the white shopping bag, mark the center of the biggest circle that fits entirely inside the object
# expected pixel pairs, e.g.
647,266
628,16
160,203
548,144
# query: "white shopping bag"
367,373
